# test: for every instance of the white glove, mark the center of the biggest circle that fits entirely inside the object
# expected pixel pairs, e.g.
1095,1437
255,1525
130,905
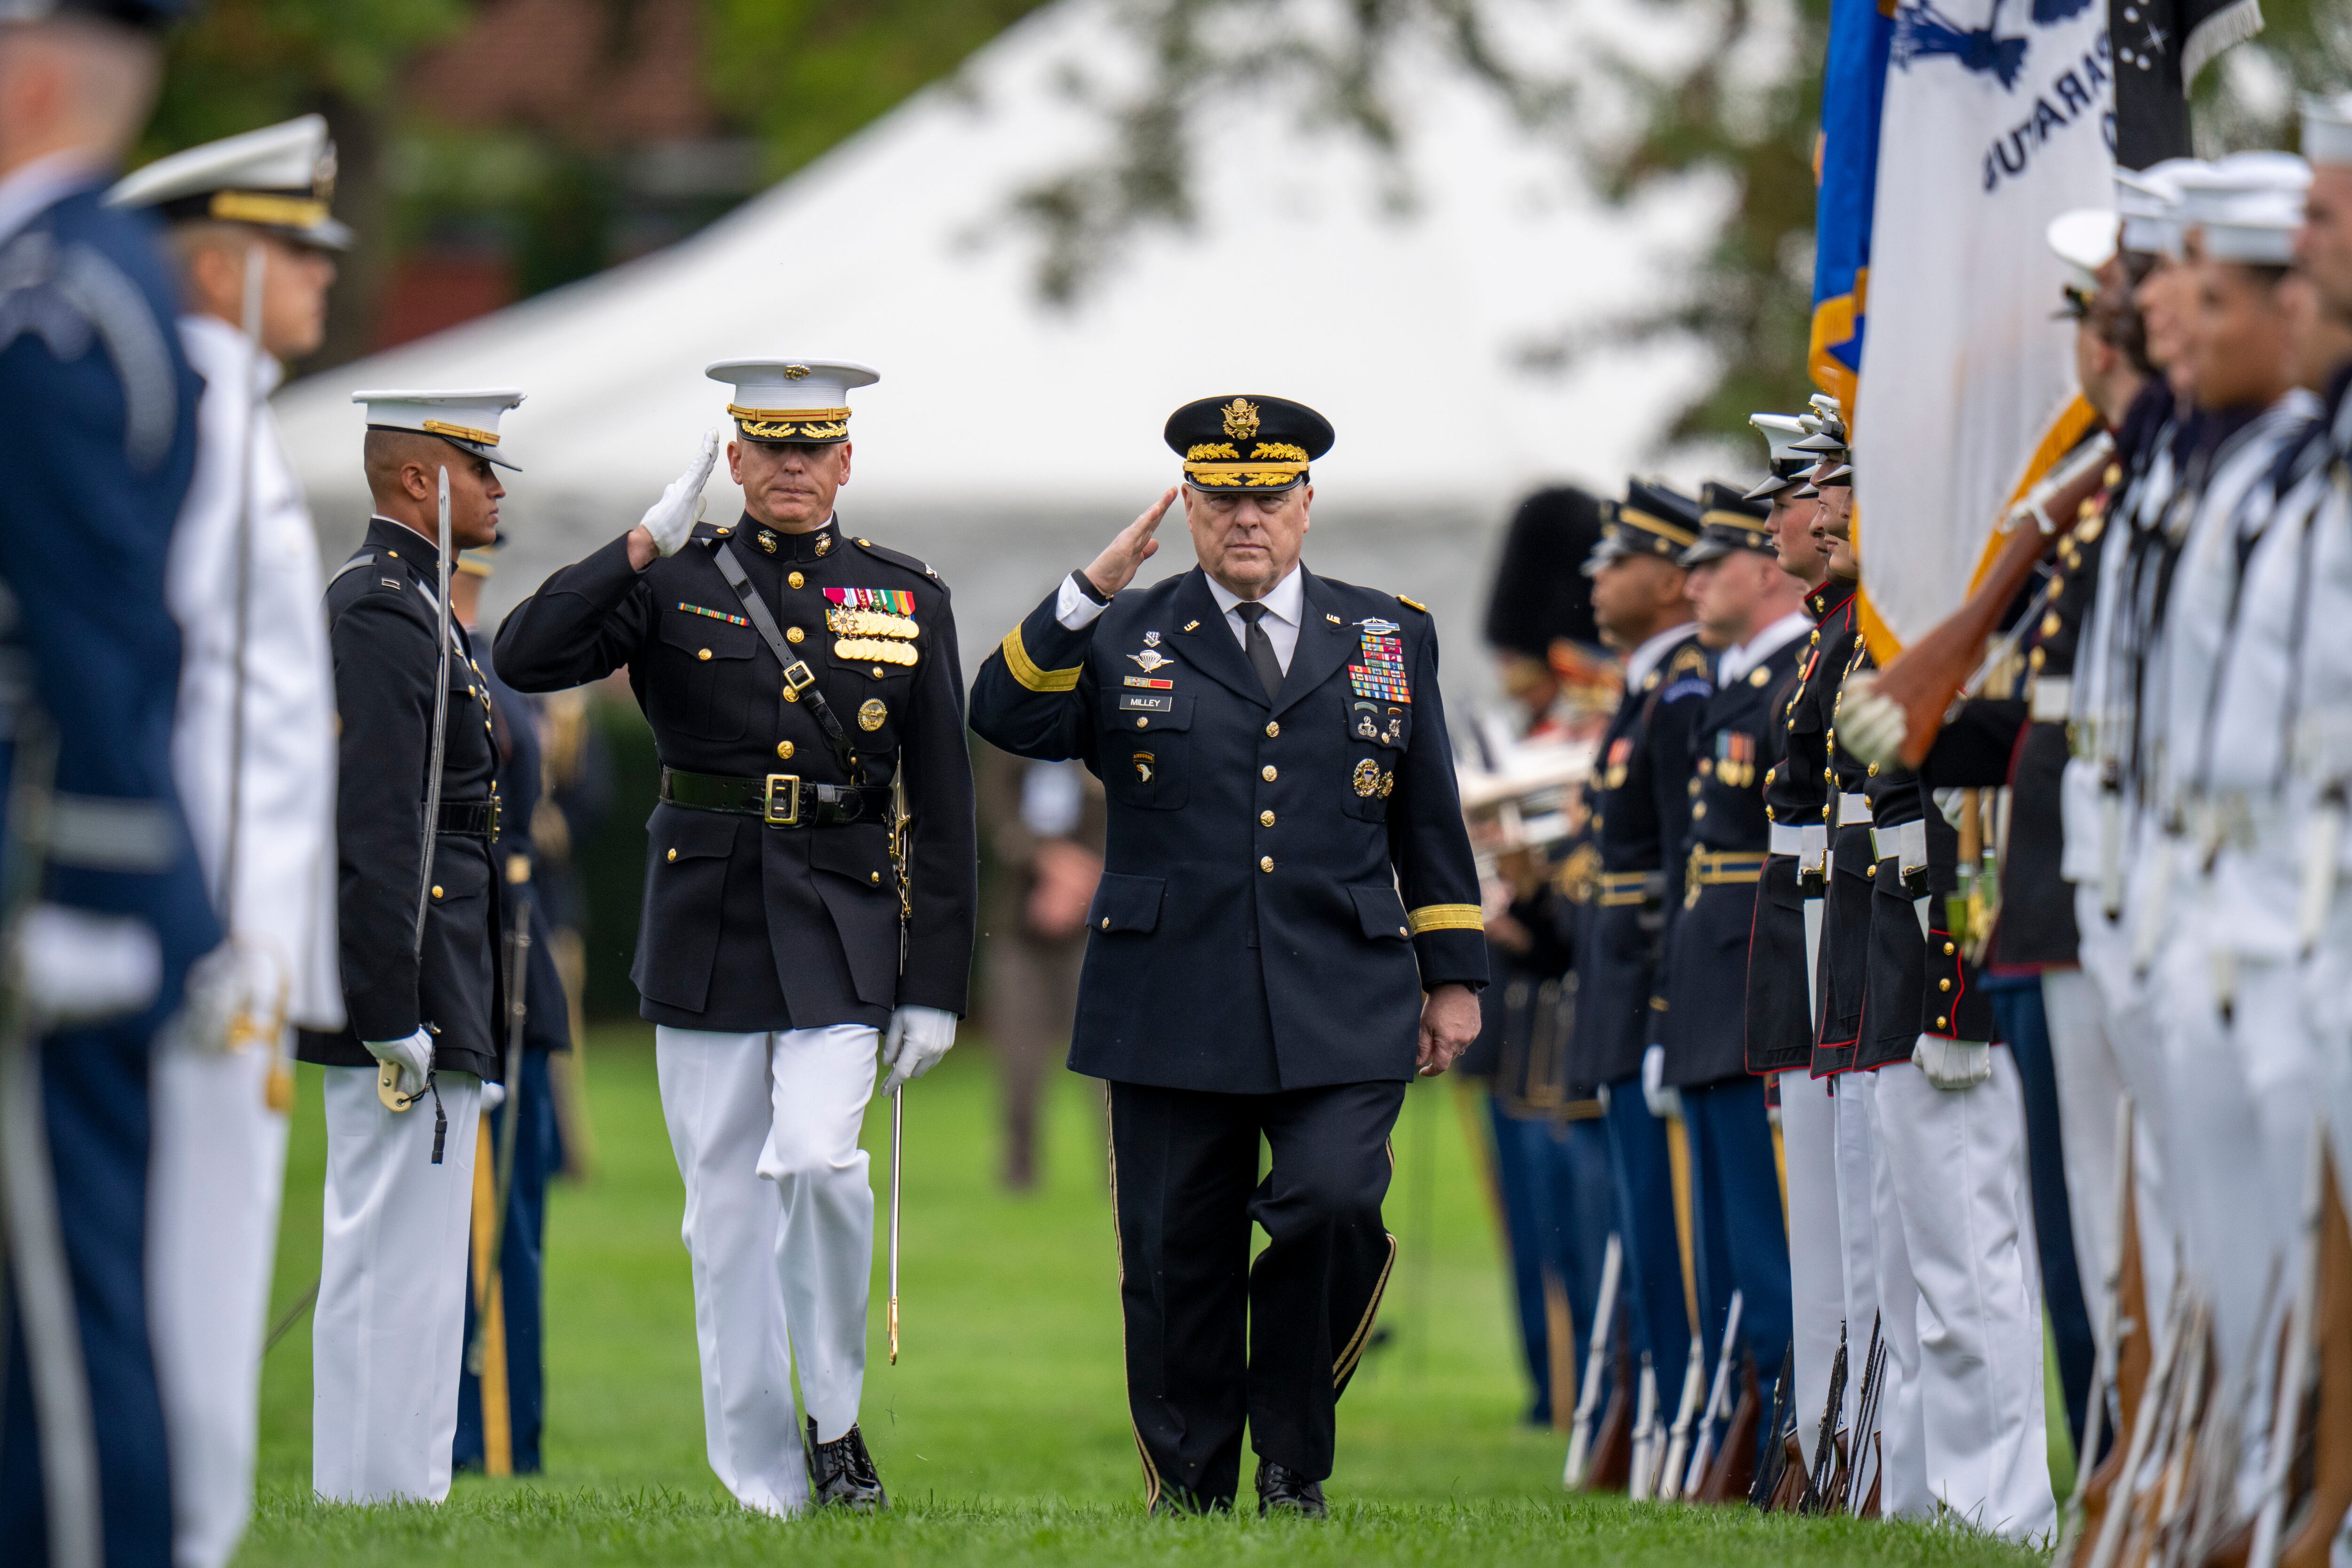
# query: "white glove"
671,519
1871,726
413,1055
918,1039
1952,1064
493,1096
1665,1104
216,987
76,967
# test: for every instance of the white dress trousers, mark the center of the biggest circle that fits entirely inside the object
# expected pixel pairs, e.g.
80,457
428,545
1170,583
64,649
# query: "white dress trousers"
780,1227
1816,1257
216,1168
389,1336
1955,1235
2092,1083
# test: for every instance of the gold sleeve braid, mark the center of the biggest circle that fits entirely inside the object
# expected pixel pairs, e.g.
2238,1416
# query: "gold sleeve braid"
1445,917
1025,670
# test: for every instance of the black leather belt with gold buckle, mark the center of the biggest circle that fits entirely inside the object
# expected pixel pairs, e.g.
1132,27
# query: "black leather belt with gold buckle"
470,818
780,800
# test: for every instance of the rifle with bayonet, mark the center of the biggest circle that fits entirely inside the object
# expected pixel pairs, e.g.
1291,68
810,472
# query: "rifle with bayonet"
1587,1394
1718,1398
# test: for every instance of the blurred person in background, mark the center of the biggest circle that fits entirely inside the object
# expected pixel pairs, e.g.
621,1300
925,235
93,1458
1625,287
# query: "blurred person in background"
1549,1151
1046,841
501,1398
253,748
99,405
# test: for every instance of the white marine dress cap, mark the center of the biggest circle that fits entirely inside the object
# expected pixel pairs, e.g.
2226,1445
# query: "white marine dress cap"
2327,129
467,420
794,401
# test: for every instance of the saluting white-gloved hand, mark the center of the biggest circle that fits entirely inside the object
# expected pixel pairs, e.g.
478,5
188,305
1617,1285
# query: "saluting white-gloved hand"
76,967
1870,725
1665,1103
670,520
413,1055
1952,1064
918,1039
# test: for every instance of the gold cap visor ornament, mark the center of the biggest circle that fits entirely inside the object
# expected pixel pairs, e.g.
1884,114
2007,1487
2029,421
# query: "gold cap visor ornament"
792,402
1249,442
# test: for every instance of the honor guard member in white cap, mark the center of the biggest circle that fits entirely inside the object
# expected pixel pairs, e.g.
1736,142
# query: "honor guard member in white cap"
99,405
1287,856
420,922
793,673
255,737
1641,810
1753,614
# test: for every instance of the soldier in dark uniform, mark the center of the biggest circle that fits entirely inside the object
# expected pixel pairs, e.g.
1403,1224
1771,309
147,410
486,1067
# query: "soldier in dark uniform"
1276,753
99,414
1753,613
501,1402
389,1335
1640,821
794,674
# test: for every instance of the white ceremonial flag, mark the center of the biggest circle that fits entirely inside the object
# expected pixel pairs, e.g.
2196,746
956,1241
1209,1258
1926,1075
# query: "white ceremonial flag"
1999,116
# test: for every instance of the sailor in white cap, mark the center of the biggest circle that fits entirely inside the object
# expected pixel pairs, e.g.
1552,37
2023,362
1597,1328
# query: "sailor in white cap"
419,913
794,924
254,754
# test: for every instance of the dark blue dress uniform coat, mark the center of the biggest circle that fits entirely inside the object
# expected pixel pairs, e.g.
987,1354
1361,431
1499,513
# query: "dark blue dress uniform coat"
750,927
1642,808
1843,963
1705,1027
98,429
382,621
1282,879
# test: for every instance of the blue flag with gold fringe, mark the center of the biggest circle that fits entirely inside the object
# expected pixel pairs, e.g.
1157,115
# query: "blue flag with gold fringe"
1845,160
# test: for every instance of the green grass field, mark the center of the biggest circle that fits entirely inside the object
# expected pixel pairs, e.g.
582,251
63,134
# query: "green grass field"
1002,1433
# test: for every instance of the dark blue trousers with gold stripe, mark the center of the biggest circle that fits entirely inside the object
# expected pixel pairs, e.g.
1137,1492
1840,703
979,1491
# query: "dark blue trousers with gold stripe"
1552,1180
502,1404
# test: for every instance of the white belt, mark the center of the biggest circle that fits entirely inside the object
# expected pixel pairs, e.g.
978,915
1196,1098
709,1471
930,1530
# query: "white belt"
2053,698
1852,809
1786,839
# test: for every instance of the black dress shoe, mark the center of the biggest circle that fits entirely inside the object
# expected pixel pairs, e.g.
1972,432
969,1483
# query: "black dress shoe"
842,1473
1281,1489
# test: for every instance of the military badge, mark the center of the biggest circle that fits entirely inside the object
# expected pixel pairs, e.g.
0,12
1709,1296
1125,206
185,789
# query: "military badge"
872,715
1151,639
1381,672
1367,778
874,650
1388,783
1143,766
1151,658
768,541
1241,419
824,544
1621,755
1366,723
1376,627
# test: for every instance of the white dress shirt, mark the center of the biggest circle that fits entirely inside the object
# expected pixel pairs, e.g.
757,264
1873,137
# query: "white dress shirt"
1741,658
1645,659
1285,606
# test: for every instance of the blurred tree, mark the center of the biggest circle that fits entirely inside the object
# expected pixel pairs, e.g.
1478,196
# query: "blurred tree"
1739,104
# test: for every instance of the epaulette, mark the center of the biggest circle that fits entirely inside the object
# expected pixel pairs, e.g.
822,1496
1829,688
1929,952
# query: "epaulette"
1412,603
899,558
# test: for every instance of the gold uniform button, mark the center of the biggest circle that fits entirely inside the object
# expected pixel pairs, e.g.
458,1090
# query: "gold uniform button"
1698,810
1265,819
437,891
1944,984
1266,772
873,876
1106,924
875,672
793,633
673,855
702,653
1265,863
1948,950
1272,728
2050,624
1874,770
1943,1023
1142,721
796,580
784,750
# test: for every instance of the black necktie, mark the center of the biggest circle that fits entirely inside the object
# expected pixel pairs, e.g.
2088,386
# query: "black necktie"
1260,648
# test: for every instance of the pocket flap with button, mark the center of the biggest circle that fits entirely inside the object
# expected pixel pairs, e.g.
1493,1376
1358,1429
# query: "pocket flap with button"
691,635
1123,902
1380,911
858,852
682,834
1148,711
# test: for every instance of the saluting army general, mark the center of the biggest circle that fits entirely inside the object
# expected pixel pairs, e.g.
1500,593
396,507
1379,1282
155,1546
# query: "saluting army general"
418,906
1287,930
254,750
793,673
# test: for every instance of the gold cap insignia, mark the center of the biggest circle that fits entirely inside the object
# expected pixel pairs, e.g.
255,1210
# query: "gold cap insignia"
796,371
1240,418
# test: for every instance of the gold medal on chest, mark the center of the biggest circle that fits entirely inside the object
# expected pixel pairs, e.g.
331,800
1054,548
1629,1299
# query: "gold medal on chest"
872,713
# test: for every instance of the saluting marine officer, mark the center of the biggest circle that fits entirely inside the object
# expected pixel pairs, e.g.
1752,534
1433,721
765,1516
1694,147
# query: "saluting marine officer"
793,674
1641,820
1753,612
389,1335
1274,750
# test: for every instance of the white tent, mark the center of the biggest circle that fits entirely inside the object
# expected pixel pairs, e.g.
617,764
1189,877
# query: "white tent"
1008,437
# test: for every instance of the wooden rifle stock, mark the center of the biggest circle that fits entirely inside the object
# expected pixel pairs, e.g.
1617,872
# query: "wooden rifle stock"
1926,676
